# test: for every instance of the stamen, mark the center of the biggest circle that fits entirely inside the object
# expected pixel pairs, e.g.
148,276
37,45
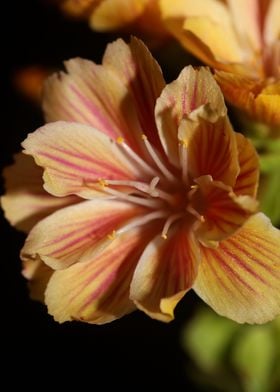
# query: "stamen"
169,222
143,220
192,211
156,159
184,161
112,236
147,168
151,203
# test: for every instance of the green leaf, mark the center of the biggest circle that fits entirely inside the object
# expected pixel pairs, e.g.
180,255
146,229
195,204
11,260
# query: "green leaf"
253,357
207,337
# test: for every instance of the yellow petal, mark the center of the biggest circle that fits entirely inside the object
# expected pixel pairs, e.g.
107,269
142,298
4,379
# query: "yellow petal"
272,23
75,157
240,279
73,234
222,211
97,291
38,275
246,20
165,272
25,201
211,149
115,14
248,179
192,89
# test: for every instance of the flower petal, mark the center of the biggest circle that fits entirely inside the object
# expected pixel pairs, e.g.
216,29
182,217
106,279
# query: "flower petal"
246,20
251,96
222,212
272,23
116,14
97,291
203,27
75,157
26,202
73,234
165,272
138,70
211,149
38,275
117,97
248,178
192,89
240,279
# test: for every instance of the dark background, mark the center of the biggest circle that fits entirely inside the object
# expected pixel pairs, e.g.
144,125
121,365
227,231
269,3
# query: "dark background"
134,352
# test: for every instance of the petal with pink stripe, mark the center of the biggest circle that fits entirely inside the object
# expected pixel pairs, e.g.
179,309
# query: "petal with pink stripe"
240,279
248,178
165,272
26,202
192,89
75,157
75,233
211,149
97,291
221,211
134,65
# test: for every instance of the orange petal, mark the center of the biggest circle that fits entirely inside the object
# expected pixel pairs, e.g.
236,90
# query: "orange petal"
26,202
138,70
251,96
73,234
248,178
78,8
211,149
222,212
165,272
97,291
240,279
38,275
75,157
192,90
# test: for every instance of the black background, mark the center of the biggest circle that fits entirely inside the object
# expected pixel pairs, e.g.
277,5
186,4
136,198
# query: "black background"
134,352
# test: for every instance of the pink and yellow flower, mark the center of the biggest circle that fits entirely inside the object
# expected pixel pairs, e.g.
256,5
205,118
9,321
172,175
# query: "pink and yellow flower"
153,194
240,39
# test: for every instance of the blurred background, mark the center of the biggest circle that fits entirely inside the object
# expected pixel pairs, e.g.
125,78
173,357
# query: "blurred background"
198,351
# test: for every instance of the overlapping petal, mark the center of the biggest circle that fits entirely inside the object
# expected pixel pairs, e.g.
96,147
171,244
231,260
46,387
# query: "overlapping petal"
252,96
75,157
190,91
221,160
97,291
38,275
26,202
78,232
248,178
117,97
165,272
222,212
240,279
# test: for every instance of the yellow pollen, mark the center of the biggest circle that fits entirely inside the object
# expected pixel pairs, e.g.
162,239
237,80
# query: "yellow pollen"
144,137
102,183
164,236
112,236
183,143
120,140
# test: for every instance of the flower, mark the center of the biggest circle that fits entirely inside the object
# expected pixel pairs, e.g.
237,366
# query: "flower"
109,15
158,192
240,39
